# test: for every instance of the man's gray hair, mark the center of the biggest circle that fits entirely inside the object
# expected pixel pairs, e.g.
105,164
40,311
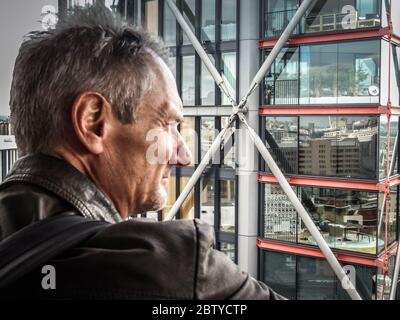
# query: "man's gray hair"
90,50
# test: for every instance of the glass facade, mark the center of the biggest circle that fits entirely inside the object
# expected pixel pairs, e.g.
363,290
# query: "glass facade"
324,74
214,22
392,163
335,146
213,199
228,20
208,21
308,278
324,16
347,219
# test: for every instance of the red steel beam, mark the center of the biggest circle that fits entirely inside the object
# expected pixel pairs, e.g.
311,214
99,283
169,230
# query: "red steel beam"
324,182
337,36
315,252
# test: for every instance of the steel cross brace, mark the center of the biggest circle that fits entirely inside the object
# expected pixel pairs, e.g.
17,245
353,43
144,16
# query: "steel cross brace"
239,113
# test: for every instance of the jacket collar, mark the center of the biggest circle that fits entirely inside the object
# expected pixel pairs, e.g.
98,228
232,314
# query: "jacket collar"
61,178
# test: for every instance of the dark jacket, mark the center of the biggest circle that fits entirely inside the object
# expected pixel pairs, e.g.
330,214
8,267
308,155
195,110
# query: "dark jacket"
132,259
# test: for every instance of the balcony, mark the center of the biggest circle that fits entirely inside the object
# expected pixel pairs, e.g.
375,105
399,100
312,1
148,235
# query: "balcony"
324,17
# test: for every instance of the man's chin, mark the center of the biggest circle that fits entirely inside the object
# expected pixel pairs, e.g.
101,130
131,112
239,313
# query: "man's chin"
157,203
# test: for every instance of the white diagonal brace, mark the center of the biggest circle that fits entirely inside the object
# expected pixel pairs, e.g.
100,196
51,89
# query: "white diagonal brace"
326,250
259,144
216,145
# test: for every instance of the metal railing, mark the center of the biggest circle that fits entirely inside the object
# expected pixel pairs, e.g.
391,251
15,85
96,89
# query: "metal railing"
281,92
277,21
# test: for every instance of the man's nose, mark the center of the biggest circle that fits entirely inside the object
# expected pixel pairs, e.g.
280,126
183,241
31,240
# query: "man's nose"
183,156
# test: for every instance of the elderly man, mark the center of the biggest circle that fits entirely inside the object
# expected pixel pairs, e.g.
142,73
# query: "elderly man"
84,99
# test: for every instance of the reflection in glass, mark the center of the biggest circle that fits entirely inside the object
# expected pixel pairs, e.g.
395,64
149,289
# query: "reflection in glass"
207,93
228,20
227,205
207,130
394,129
333,15
387,222
280,217
347,219
281,83
208,21
189,12
318,74
358,72
229,152
188,81
324,16
281,137
187,208
207,185
315,279
340,73
228,249
229,74
277,16
280,273
169,35
188,133
342,146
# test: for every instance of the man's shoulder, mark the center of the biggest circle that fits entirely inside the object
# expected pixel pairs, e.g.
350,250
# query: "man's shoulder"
136,259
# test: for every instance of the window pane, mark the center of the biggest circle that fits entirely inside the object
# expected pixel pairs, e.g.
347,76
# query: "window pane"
207,86
281,84
227,205
356,146
171,195
277,16
151,16
389,220
280,217
280,273
229,151
189,12
80,3
394,128
333,15
340,73
228,249
169,27
343,146
315,279
207,186
208,21
358,72
318,74
347,219
229,74
172,65
207,127
188,81
189,135
187,208
281,138
228,20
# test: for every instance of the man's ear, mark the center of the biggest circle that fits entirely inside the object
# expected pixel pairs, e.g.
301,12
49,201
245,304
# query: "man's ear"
90,112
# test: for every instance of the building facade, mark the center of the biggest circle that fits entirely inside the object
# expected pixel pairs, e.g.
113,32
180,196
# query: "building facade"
328,110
